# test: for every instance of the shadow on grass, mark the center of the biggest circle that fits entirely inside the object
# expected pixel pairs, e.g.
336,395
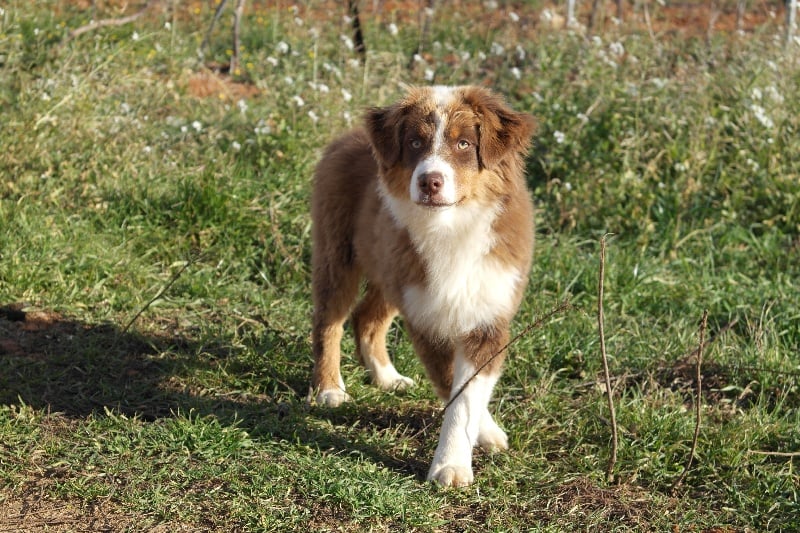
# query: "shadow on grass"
61,365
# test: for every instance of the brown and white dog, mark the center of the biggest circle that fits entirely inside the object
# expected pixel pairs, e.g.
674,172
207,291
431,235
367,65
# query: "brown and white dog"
428,204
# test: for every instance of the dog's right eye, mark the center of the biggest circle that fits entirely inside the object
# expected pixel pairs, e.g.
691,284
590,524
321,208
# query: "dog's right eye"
416,144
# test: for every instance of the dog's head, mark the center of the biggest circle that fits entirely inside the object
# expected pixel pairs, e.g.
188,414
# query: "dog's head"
441,147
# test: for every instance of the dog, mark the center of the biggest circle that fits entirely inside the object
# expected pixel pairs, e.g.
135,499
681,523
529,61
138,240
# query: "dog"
427,203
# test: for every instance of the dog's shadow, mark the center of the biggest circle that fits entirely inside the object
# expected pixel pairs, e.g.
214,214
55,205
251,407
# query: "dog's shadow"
62,365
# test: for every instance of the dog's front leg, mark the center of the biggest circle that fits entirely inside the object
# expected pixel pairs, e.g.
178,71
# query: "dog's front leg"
465,420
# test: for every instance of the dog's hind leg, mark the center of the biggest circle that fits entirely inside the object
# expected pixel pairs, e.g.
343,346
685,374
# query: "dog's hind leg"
335,287
371,320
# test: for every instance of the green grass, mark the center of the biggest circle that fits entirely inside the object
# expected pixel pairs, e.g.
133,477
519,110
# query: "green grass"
113,176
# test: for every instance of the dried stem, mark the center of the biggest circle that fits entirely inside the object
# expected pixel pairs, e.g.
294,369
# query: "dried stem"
210,29
160,293
698,401
563,306
774,454
237,19
109,22
612,460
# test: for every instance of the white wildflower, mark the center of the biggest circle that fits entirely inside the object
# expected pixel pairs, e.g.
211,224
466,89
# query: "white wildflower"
756,94
184,129
583,118
597,41
660,83
567,186
242,105
418,59
313,116
124,108
491,5
761,116
429,12
324,89
135,36
680,167
298,100
272,61
236,146
282,47
513,16
538,97
516,73
147,149
347,41
616,48
429,74
497,49
298,21
167,25
288,80
774,95
753,164
197,125
347,117
393,30
520,52
559,136
346,95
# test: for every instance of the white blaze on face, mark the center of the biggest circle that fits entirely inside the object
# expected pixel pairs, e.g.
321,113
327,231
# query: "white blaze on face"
434,161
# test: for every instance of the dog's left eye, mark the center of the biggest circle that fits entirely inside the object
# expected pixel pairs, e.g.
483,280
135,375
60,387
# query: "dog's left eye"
463,144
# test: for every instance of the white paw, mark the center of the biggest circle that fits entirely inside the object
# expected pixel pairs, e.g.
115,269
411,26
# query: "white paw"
388,378
490,436
332,398
451,475
396,383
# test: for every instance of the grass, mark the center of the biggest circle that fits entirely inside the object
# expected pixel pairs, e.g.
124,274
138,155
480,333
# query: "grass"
125,161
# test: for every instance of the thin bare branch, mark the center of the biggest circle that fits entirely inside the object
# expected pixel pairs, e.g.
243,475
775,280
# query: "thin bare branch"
210,29
774,454
563,306
612,460
237,19
698,404
95,24
160,293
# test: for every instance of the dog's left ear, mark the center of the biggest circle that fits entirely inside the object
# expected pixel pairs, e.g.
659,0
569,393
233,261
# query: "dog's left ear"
502,130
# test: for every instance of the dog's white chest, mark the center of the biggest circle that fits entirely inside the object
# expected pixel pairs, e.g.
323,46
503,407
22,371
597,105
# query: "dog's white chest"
466,297
466,287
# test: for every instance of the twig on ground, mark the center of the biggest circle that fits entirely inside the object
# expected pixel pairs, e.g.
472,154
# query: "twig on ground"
698,404
109,22
612,460
563,306
164,289
775,454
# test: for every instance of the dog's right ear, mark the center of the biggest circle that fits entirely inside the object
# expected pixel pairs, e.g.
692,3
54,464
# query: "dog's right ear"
385,134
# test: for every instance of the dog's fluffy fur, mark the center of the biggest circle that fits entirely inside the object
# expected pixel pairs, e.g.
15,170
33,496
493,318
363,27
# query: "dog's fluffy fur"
428,204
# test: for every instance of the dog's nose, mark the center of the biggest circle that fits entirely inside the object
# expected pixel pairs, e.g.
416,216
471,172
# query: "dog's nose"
430,183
